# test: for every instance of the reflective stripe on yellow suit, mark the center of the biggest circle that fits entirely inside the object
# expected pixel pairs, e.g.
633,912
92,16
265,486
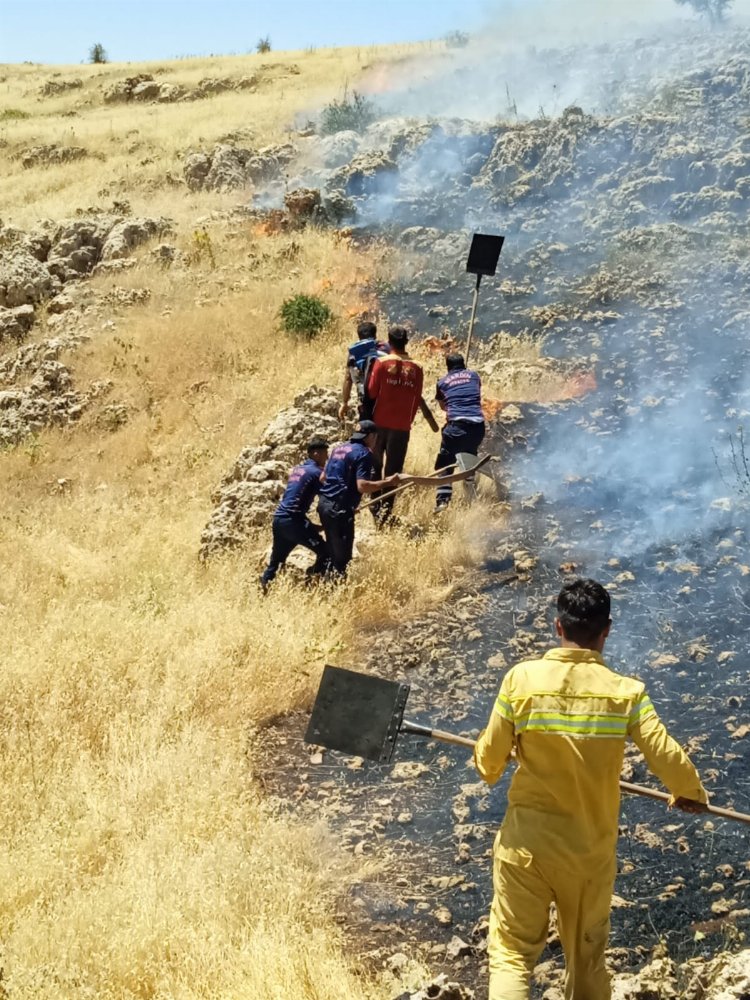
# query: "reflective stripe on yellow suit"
567,716
519,921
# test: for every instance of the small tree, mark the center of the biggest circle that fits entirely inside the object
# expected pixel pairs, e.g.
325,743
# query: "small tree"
715,10
98,54
263,45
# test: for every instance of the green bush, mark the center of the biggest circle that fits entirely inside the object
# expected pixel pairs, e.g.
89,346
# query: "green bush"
13,115
353,113
263,45
305,316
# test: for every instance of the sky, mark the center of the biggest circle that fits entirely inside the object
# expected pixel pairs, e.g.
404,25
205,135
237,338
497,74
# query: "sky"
63,31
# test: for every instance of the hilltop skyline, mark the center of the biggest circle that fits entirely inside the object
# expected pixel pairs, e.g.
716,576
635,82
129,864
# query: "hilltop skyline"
63,31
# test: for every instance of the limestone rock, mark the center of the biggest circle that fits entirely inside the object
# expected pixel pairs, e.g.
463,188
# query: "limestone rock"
76,246
23,278
51,155
366,175
123,90
12,325
51,88
337,150
251,489
125,236
228,167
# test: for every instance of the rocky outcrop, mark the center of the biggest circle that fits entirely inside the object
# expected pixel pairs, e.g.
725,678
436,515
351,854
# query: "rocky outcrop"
52,155
16,322
35,266
24,275
367,175
77,246
52,88
228,167
210,86
125,236
249,493
144,88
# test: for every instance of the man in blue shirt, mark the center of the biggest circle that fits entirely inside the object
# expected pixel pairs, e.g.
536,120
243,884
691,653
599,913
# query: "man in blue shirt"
291,525
359,356
347,475
459,393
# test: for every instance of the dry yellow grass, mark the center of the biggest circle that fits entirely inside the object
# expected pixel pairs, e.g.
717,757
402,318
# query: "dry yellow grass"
139,856
133,146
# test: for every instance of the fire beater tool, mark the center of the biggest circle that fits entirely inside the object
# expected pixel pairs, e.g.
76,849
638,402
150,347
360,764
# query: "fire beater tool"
474,466
484,254
362,715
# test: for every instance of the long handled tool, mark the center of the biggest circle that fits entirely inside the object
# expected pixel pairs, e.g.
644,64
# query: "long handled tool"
430,480
363,715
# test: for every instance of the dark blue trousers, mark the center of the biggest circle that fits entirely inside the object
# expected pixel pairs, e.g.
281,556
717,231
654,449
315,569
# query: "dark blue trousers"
288,533
458,436
338,524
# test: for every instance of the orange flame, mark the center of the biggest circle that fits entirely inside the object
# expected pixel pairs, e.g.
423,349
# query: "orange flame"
439,345
491,408
574,387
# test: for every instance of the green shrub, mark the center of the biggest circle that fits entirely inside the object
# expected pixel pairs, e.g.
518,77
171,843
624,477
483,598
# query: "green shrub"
353,113
13,115
98,54
263,45
202,248
305,316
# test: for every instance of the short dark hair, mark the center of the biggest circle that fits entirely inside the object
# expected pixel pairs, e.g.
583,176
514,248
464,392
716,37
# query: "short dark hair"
367,330
583,608
454,362
316,444
398,335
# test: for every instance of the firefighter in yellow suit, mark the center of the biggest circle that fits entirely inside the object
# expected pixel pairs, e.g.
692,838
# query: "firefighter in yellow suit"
567,717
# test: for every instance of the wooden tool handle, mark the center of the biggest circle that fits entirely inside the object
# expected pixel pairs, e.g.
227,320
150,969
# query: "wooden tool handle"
437,734
427,481
625,786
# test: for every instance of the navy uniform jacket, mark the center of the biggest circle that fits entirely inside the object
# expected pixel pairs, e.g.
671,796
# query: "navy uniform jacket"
461,391
348,463
301,490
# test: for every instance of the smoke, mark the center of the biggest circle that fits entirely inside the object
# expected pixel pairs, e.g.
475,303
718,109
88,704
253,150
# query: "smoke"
519,63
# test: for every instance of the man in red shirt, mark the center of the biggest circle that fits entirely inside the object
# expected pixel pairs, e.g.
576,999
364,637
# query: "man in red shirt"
394,384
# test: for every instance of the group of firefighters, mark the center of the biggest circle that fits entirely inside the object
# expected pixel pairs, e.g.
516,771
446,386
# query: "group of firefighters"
565,717
389,386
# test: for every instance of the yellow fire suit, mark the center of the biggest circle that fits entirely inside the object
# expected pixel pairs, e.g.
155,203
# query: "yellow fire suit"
567,717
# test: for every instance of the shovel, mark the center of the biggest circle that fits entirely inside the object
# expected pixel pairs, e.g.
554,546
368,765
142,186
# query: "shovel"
362,715
468,463
434,479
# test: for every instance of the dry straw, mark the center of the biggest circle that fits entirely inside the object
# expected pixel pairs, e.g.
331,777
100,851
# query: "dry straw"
139,857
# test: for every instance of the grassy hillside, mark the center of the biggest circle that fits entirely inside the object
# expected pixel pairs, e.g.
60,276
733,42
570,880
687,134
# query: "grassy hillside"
139,855
133,146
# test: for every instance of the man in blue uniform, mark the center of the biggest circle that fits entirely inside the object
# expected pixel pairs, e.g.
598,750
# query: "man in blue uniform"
347,475
360,354
291,525
459,393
